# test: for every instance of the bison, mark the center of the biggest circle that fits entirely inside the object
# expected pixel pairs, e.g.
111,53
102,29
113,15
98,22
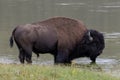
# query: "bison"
64,38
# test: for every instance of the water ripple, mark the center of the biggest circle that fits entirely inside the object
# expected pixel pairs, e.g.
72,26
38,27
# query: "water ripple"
67,4
114,35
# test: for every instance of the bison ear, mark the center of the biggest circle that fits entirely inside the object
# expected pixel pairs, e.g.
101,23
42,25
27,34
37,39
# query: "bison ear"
90,37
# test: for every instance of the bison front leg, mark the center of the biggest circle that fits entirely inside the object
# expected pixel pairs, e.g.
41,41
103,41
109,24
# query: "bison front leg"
93,59
62,57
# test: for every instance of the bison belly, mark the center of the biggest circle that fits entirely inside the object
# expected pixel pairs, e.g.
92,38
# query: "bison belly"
45,43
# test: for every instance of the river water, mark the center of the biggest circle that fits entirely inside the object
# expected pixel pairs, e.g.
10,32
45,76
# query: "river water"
102,15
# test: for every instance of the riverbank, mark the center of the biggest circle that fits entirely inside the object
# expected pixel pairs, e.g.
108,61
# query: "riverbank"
51,72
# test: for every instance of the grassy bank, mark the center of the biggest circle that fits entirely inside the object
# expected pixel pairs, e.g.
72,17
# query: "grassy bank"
37,72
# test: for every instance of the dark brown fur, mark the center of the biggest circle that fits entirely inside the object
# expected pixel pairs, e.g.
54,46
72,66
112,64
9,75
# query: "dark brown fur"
59,36
69,31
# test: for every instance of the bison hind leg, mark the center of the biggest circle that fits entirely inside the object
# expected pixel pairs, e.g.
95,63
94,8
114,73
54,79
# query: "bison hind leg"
28,55
25,55
21,55
28,58
27,52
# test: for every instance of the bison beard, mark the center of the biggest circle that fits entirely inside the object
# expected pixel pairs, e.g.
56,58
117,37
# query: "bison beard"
65,38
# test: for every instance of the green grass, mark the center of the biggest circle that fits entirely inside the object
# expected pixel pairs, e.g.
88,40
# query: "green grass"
47,72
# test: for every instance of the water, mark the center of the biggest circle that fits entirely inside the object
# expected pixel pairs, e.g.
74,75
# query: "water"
102,15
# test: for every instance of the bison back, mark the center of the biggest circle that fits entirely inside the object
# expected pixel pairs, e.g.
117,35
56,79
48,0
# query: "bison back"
69,31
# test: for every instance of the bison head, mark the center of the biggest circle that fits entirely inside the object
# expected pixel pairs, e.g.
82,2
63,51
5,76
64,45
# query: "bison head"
92,45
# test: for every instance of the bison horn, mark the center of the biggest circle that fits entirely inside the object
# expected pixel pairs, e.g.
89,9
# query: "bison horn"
90,37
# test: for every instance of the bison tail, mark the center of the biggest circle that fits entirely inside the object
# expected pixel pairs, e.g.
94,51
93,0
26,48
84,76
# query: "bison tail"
11,41
11,38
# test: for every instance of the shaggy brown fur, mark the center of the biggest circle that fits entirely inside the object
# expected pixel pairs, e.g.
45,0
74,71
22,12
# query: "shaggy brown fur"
58,36
69,31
